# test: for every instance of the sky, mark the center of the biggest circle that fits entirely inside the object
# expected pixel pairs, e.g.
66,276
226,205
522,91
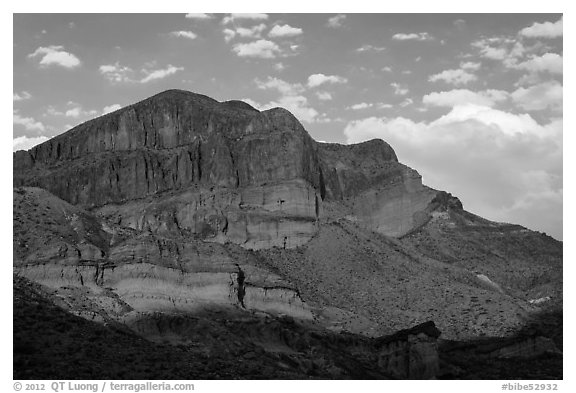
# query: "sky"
471,101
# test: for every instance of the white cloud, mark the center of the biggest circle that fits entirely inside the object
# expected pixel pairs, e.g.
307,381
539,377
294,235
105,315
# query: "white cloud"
74,112
185,34
279,67
503,166
549,62
494,48
284,31
316,80
22,96
51,111
55,55
116,72
336,21
29,123
246,17
229,34
456,97
26,143
378,105
406,102
539,97
460,24
454,77
399,90
370,48
412,36
111,108
280,85
470,65
160,74
253,32
199,16
290,98
386,69
323,95
544,30
263,49
362,105
298,106
77,112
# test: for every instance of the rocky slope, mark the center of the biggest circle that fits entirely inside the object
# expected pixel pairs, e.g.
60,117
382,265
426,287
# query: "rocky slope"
180,204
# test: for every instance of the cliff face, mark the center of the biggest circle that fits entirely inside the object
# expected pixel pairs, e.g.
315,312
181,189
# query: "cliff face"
253,178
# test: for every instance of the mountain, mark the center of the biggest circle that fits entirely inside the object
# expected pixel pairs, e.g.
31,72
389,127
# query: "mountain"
180,205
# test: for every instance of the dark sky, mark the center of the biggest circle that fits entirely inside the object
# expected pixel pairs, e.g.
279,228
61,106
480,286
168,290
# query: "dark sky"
472,101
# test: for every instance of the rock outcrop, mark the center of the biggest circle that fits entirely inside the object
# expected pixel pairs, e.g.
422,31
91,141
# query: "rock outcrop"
253,178
411,353
108,264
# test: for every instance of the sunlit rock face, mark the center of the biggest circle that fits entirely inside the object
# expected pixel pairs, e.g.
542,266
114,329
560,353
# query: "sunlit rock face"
180,161
115,270
382,195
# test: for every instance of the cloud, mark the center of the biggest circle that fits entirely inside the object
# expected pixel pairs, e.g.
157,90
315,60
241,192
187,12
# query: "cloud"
185,34
245,17
323,95
399,90
412,36
55,55
549,62
279,67
387,69
362,105
298,106
29,123
470,65
280,85
284,31
160,74
263,49
544,30
229,34
370,48
111,108
503,166
336,21
77,112
454,77
406,102
22,96
456,97
116,72
253,32
290,98
316,80
547,95
26,143
74,112
505,49
460,24
199,16
378,105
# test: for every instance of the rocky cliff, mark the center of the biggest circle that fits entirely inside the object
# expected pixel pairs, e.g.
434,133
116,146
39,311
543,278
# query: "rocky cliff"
227,171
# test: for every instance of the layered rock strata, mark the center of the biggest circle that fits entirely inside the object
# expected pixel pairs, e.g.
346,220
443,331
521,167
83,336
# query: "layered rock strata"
234,173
